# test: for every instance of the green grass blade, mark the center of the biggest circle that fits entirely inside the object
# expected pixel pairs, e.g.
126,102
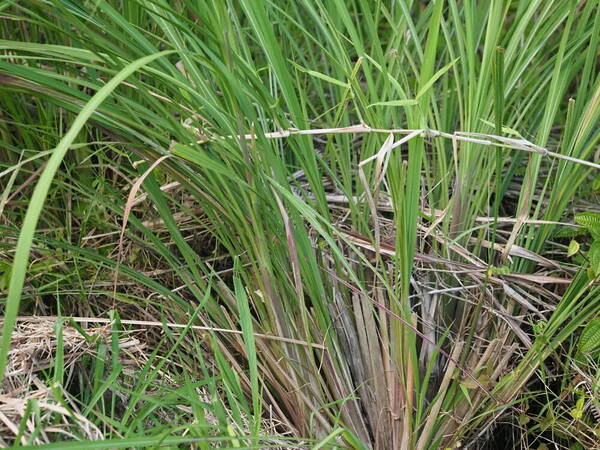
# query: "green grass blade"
21,259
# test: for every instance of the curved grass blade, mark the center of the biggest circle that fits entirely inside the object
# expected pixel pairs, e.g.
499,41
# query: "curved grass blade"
36,203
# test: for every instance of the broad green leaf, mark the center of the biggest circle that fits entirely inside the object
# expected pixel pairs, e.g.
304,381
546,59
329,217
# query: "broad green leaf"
573,248
590,337
590,220
594,257
577,412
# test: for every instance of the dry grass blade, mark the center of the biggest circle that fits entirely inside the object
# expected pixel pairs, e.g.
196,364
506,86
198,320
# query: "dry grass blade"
131,201
492,141
148,323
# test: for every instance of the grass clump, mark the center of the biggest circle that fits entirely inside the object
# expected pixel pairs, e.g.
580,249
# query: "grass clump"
336,224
